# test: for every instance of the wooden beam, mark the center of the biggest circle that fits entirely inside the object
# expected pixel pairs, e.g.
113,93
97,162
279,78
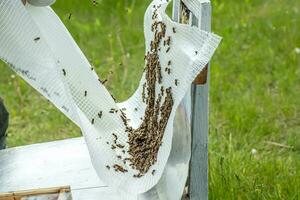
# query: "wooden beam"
19,194
198,177
198,188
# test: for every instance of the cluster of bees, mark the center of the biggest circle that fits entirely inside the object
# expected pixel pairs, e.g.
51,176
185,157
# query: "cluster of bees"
145,141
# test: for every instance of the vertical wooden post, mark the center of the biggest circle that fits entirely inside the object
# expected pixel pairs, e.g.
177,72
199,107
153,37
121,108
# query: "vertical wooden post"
176,10
198,186
198,177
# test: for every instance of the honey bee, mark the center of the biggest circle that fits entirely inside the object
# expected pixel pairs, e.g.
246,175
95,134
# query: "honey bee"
37,39
119,168
168,40
115,136
113,97
102,82
162,90
100,114
95,3
120,146
137,175
113,110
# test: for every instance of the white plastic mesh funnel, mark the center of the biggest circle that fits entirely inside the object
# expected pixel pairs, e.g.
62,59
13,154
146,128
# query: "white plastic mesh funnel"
35,44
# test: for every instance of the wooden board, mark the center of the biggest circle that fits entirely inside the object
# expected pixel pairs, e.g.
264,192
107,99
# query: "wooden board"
198,188
198,177
57,193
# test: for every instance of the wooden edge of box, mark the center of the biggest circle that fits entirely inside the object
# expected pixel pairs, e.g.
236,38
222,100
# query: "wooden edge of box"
18,194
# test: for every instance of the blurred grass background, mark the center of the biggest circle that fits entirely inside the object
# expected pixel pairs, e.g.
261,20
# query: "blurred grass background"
254,94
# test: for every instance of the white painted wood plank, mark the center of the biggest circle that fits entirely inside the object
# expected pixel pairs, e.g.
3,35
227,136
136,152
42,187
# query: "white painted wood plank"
46,165
54,164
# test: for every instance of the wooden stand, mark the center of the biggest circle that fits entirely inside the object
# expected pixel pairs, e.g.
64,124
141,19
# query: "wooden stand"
198,177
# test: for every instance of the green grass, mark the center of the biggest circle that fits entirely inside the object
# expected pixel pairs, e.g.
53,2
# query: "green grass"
254,96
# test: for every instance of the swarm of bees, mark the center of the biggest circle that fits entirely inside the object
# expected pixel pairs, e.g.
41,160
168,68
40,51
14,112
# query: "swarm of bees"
144,142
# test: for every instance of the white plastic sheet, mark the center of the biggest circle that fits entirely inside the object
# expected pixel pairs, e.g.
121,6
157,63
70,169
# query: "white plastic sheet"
35,43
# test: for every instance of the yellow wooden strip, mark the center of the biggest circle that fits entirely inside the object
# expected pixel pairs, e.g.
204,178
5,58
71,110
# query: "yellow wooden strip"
16,195
7,194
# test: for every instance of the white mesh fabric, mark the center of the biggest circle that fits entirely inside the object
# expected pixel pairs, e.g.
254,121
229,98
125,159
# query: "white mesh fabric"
35,43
